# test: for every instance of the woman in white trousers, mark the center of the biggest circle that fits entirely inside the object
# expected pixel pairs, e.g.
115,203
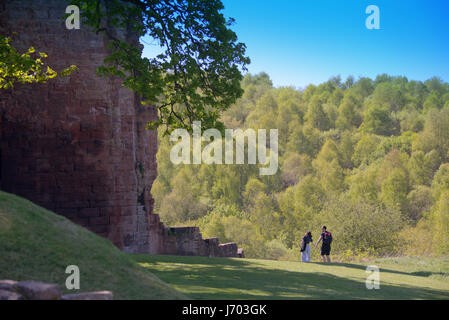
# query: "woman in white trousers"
305,247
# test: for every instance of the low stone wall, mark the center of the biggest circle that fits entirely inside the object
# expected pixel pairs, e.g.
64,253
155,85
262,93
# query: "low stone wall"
34,290
228,249
188,241
212,244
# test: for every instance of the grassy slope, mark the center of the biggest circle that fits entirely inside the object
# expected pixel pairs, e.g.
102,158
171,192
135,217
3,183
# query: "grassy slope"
218,278
37,244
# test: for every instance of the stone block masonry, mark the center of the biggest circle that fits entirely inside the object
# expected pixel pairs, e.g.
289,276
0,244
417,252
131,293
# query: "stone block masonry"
78,145
188,241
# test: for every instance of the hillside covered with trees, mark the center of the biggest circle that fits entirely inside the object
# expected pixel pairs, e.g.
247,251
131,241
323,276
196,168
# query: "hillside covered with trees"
368,158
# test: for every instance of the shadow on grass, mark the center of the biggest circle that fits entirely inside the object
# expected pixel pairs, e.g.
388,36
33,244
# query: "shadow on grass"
363,267
429,274
193,260
219,278
424,274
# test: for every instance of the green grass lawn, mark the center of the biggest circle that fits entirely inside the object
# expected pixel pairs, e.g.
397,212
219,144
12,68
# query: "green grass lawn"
220,278
36,244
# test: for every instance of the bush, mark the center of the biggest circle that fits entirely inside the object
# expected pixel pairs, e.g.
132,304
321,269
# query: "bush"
362,226
417,240
275,249
235,229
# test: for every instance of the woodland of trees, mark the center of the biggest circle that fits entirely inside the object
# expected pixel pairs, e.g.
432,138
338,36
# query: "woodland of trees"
368,158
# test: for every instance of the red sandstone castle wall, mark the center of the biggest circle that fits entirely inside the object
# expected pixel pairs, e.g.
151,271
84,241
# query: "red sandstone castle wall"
76,145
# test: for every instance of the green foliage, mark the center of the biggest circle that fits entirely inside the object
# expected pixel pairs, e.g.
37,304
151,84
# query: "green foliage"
233,228
422,167
441,216
365,150
419,201
294,167
394,189
363,225
348,114
328,168
183,202
315,116
388,96
370,179
363,184
418,240
198,74
435,135
27,67
441,181
377,120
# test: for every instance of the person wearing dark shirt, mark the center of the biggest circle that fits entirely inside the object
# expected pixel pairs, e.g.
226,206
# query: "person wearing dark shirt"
326,238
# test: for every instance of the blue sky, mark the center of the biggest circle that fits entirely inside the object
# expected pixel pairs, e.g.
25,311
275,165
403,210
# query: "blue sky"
298,42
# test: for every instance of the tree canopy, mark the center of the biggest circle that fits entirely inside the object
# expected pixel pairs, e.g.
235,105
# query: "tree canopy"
198,74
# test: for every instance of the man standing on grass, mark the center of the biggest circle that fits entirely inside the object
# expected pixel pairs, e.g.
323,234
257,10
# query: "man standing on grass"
326,237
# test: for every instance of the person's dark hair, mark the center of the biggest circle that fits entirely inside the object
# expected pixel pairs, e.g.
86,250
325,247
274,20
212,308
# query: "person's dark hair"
324,227
309,234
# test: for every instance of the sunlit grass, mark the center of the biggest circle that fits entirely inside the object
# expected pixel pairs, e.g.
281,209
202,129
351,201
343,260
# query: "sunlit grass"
224,278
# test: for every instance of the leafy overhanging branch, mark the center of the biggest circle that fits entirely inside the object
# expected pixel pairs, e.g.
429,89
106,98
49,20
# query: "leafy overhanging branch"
199,72
27,67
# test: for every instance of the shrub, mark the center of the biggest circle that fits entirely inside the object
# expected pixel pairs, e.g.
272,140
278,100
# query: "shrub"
362,226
